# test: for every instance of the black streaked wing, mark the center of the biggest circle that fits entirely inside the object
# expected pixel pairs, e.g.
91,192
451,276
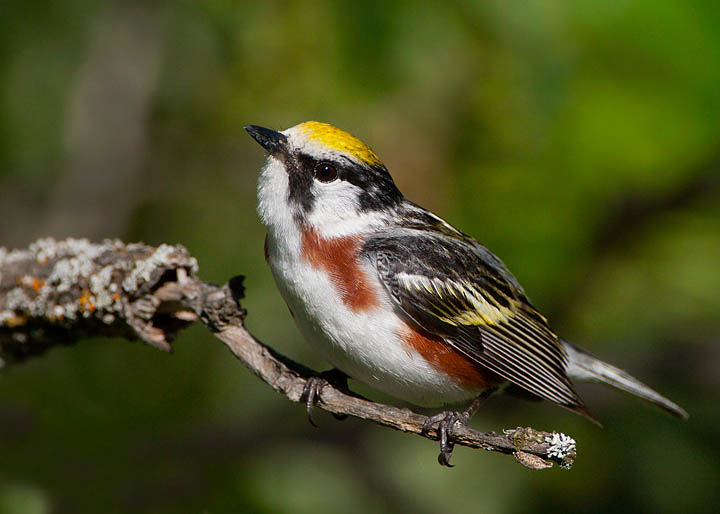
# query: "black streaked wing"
459,290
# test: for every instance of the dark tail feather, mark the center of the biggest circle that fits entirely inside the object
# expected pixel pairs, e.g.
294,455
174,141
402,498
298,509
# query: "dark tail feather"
583,366
578,407
584,412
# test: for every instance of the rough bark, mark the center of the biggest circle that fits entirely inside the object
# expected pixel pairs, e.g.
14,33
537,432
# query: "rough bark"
59,292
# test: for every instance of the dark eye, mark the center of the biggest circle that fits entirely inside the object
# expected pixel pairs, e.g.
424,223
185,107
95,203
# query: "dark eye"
325,172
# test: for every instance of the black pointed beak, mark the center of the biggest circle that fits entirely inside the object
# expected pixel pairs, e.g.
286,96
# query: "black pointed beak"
272,141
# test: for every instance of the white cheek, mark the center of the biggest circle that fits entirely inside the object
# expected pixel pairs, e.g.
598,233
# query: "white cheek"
335,211
334,202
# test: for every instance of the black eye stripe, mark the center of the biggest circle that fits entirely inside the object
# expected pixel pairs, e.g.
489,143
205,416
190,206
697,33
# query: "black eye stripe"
377,190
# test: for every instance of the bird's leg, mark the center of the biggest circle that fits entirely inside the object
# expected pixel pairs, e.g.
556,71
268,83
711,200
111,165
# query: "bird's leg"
315,384
446,425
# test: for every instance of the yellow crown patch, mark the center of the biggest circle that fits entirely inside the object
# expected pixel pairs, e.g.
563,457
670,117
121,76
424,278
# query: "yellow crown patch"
337,139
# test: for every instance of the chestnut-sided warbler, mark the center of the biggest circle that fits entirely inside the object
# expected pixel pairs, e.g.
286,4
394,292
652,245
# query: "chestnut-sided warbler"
395,297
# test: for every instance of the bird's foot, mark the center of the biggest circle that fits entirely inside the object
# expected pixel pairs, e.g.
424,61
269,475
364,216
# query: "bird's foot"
445,429
446,421
315,385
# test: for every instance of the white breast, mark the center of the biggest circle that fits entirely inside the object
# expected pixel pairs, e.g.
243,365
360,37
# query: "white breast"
365,345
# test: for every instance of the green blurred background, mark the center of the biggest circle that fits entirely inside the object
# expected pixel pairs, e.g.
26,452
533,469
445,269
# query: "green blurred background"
578,140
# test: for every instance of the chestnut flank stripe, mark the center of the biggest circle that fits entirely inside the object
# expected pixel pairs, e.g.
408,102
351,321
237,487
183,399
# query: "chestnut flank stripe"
339,257
467,373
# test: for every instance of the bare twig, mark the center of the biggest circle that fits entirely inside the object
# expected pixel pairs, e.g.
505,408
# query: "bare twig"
58,292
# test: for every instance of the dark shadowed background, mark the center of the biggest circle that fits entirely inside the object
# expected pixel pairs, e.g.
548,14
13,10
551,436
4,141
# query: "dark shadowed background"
578,140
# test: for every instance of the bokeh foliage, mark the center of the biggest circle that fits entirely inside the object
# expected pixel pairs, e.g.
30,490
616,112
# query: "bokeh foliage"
578,140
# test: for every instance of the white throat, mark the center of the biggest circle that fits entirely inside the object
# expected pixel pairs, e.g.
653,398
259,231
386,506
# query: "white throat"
274,209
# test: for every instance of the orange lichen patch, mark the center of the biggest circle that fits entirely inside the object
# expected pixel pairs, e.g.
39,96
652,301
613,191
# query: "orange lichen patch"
336,139
339,258
116,296
443,357
31,282
85,301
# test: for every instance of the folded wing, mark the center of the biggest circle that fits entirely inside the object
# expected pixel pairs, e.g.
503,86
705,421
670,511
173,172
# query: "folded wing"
457,289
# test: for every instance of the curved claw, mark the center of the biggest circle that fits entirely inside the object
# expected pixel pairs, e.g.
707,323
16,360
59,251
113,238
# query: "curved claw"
446,425
315,384
446,422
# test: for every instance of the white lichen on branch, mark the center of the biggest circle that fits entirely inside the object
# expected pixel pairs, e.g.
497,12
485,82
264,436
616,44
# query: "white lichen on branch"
562,447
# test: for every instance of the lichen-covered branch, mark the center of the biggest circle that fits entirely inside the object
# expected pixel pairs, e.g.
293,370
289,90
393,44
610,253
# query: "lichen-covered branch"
59,292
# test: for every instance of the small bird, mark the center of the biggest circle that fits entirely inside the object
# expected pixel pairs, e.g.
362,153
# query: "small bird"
397,298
